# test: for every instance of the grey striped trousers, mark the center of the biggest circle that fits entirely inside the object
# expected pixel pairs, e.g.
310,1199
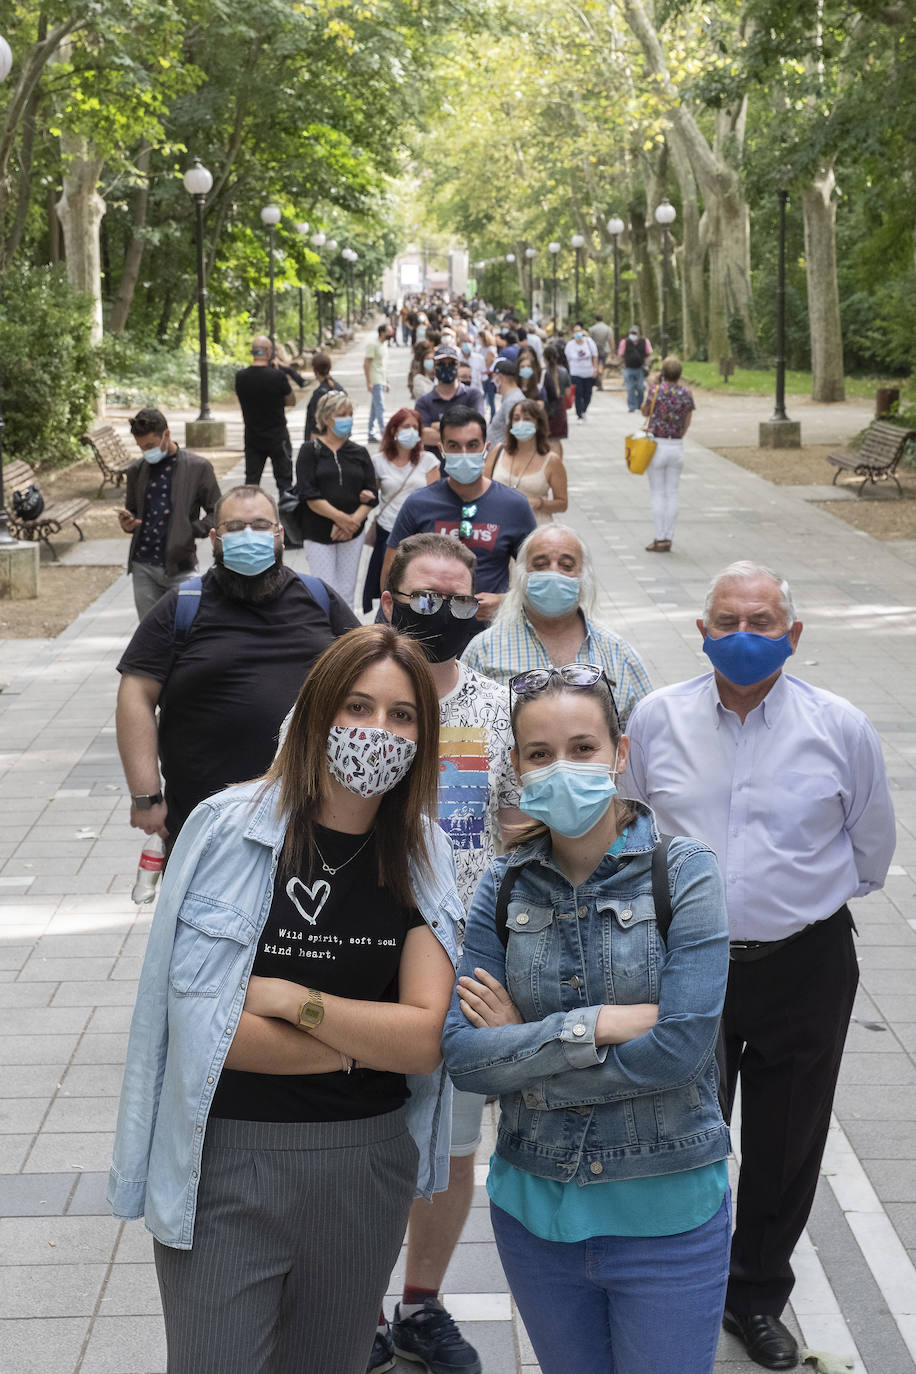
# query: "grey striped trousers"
297,1229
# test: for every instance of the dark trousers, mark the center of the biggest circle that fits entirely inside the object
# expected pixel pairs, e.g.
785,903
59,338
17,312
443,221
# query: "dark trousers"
783,1029
584,388
280,454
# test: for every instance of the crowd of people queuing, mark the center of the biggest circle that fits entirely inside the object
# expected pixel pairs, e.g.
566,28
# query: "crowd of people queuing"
466,851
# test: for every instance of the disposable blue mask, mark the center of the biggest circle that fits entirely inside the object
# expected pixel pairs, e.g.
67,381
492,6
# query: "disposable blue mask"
745,658
343,426
523,429
568,797
466,349
551,593
578,336
466,468
248,551
526,372
155,455
428,364
408,438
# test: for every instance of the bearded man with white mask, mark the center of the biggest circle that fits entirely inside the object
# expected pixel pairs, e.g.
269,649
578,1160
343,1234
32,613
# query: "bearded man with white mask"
544,621
787,784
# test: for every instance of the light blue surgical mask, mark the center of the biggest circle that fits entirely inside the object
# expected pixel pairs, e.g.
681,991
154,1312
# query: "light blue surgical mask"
466,468
428,364
551,593
343,426
408,438
578,336
523,429
570,798
744,658
248,551
156,455
526,372
466,349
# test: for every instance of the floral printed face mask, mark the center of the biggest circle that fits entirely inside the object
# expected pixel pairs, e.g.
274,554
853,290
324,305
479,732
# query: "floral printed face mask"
368,762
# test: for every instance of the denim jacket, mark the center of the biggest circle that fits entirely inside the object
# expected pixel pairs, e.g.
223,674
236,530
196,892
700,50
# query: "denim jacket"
571,1109
215,899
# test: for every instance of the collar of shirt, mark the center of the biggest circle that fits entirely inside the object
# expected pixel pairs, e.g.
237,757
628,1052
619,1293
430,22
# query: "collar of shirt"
768,710
585,647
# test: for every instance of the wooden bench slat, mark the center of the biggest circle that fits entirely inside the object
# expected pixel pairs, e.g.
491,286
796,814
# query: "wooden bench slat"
878,458
110,454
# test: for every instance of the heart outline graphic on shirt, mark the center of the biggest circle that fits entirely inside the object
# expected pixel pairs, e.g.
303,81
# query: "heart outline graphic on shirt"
311,892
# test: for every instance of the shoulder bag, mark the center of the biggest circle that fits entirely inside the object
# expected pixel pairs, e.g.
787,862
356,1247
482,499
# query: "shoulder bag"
639,449
372,527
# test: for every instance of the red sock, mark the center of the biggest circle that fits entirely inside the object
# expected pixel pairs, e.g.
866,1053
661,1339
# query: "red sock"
416,1297
382,1319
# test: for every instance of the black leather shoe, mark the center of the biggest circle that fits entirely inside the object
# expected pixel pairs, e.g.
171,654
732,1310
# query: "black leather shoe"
765,1338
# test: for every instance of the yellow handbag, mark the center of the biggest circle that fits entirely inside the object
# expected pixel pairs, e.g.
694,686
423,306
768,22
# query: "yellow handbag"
640,448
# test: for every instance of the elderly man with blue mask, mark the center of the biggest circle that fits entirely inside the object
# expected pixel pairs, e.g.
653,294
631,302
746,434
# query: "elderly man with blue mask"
545,620
787,784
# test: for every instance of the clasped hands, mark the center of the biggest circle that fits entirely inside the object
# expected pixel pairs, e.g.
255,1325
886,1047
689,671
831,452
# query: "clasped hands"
485,1002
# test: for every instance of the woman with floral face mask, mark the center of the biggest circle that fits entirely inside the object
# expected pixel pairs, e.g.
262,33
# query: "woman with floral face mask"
592,981
336,486
283,1093
528,463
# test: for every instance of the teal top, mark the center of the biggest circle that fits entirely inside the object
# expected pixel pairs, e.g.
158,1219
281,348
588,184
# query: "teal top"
663,1205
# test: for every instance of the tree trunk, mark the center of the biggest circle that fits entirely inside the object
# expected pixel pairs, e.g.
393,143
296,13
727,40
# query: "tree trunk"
643,266
728,228
828,381
80,210
691,258
134,254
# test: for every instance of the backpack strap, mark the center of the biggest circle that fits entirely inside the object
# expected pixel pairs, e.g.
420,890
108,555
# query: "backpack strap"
188,603
661,893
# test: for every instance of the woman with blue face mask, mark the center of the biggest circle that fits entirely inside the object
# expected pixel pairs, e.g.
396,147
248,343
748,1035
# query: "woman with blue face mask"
589,997
337,487
529,463
402,465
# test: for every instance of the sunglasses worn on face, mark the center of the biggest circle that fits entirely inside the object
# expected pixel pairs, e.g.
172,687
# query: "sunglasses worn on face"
462,607
572,674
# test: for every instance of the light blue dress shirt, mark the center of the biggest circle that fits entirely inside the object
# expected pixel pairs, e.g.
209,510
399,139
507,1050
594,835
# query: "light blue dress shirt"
794,801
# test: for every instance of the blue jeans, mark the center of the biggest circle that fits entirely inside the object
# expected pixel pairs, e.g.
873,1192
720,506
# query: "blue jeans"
634,379
489,391
620,1304
584,387
377,410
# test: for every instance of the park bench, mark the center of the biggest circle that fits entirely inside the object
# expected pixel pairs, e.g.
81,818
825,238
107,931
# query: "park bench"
109,452
19,476
878,458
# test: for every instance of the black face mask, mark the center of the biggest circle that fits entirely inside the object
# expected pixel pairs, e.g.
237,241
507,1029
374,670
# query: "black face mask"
447,372
441,636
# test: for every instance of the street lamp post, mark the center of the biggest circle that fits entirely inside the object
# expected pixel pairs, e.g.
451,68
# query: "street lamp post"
577,241
665,214
779,412
318,241
553,249
615,227
302,229
6,536
349,258
331,246
529,254
510,259
270,216
197,183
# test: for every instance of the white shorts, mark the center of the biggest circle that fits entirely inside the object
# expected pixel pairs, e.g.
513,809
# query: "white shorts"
467,1118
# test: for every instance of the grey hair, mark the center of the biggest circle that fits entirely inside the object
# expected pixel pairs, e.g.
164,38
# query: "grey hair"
745,571
512,604
330,405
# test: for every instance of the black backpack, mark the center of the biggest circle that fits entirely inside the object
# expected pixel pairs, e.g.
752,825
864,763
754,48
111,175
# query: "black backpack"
661,892
634,352
28,504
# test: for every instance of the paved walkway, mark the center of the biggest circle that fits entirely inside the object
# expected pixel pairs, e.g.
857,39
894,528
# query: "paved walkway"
77,1289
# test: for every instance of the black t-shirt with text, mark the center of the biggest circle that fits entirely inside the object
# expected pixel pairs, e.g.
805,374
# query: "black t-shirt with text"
261,391
342,934
226,690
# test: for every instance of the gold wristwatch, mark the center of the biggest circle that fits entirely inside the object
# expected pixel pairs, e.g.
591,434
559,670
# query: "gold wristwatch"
311,1012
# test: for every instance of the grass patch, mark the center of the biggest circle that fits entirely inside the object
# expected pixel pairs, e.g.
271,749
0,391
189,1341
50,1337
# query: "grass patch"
154,375
762,382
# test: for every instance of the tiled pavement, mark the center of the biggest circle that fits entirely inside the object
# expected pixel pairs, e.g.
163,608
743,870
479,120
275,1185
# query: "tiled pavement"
77,1289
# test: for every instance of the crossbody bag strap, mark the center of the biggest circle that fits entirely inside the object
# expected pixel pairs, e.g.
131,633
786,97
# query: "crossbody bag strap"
652,407
661,887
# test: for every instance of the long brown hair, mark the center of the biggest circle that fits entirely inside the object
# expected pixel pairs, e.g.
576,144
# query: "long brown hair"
301,767
535,412
624,813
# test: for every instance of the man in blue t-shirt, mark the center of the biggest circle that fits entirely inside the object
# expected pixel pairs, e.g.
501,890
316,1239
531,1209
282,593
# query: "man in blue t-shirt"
489,518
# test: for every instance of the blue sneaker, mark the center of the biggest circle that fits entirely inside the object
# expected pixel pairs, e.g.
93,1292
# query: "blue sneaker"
382,1356
431,1337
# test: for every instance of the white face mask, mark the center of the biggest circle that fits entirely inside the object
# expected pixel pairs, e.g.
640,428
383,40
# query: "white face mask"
368,762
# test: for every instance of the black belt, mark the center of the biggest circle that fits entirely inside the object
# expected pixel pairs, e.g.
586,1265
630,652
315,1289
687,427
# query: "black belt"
749,951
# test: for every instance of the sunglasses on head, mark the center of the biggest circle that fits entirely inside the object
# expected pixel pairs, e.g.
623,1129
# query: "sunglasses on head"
461,606
572,674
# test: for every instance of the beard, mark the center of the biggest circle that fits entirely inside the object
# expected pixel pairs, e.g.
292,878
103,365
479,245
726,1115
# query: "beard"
235,586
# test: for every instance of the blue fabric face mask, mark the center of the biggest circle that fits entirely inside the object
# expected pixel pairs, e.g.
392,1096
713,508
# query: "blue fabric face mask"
568,797
526,372
249,552
155,455
408,438
745,658
343,426
551,593
523,429
466,468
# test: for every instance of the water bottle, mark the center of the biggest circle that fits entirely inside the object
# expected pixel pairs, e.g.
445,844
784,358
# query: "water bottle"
152,859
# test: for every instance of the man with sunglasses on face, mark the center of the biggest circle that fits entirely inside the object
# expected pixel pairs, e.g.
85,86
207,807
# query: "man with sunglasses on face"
492,520
224,680
430,596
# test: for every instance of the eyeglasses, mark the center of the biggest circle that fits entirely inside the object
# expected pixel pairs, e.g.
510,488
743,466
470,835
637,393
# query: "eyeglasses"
466,528
572,674
462,607
236,526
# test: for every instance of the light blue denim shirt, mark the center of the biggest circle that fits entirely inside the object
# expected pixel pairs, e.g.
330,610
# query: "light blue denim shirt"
215,899
570,1109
